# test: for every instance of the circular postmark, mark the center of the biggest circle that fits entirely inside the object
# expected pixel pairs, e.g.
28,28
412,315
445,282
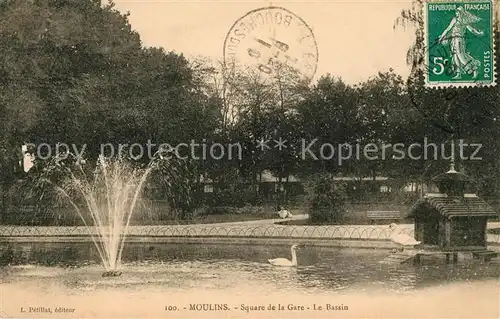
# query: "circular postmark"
268,37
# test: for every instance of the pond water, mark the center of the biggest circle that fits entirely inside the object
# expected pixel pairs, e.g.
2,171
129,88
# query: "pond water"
156,276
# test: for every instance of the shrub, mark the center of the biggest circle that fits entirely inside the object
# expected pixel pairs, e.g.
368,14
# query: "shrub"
326,199
232,210
236,195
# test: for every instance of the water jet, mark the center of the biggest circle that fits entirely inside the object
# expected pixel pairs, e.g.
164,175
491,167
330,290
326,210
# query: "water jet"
108,198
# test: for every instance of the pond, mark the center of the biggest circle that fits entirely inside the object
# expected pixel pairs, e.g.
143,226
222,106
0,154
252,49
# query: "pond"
156,276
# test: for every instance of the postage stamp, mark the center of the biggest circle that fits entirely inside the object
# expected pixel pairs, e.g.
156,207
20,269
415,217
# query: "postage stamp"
267,37
460,42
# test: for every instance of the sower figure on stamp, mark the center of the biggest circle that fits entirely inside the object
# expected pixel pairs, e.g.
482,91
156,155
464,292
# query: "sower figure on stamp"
462,61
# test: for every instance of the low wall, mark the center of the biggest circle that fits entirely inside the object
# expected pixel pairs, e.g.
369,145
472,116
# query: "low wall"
342,235
351,243
216,230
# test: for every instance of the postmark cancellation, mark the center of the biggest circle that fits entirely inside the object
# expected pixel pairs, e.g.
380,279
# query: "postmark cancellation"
270,36
460,45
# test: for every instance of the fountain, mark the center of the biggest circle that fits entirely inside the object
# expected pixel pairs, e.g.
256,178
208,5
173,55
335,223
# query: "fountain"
110,195
109,198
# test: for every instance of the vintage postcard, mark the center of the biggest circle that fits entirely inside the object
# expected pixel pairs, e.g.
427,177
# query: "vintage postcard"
249,159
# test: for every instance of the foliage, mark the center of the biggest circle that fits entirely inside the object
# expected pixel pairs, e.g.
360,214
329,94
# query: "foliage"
75,72
467,114
326,199
231,210
179,179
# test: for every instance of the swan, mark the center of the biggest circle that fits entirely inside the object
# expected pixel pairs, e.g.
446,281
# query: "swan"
283,262
399,238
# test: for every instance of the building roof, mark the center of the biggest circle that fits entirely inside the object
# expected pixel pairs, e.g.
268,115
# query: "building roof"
268,177
452,176
355,179
452,206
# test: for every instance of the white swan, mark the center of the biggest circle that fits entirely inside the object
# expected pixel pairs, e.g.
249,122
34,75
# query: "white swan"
284,213
399,238
283,262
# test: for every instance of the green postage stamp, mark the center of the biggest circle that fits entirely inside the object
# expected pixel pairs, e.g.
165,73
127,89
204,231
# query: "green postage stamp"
460,43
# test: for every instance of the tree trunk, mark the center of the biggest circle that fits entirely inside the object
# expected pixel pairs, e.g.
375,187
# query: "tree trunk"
286,188
200,191
279,190
259,193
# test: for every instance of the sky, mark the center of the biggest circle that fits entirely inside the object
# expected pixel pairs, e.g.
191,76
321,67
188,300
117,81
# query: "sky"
355,39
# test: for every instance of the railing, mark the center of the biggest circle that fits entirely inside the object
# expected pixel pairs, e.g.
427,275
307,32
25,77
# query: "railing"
365,232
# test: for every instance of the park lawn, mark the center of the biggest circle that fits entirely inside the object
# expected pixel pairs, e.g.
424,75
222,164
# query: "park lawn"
161,215
306,222
357,215
223,215
222,218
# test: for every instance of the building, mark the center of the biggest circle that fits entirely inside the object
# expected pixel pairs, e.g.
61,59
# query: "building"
28,158
454,218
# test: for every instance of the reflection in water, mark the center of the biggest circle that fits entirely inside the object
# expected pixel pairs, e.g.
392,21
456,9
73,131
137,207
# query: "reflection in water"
231,266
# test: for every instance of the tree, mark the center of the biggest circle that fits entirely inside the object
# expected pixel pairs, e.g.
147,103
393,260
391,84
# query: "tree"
325,199
328,115
75,72
468,114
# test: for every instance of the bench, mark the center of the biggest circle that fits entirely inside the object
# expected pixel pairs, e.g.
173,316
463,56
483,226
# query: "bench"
485,255
383,215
